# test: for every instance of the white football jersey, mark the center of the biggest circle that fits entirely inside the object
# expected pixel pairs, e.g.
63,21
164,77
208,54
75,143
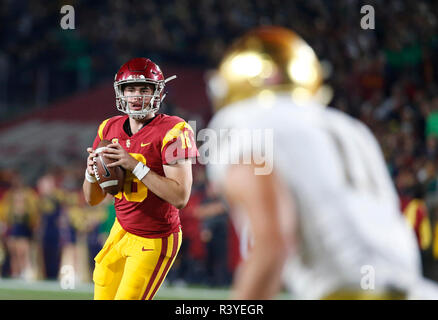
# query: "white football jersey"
352,234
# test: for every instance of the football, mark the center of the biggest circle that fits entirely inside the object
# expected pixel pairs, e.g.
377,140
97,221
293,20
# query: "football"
110,179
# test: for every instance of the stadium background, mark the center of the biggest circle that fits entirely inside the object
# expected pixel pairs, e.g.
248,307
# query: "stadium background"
56,87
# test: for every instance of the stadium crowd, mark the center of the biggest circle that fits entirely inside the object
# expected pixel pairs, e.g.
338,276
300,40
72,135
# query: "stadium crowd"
384,76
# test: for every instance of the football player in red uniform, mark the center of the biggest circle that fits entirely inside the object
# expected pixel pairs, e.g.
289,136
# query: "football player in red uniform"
156,151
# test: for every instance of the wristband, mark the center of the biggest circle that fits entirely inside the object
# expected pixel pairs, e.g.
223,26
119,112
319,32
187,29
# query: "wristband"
89,177
140,170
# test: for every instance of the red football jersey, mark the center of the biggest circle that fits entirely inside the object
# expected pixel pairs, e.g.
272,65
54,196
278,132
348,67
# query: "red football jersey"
162,141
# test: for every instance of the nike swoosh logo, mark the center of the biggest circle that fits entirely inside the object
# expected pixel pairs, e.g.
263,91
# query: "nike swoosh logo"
107,173
143,249
144,144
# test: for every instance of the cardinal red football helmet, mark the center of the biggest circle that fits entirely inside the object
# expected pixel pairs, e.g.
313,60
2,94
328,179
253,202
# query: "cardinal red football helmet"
140,71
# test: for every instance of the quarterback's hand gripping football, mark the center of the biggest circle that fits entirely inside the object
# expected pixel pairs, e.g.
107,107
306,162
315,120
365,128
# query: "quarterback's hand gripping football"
123,158
91,161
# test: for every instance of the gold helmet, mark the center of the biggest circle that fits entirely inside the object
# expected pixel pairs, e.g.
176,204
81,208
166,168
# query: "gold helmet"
266,60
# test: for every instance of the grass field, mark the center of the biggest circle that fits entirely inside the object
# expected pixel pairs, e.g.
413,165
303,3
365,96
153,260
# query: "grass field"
51,290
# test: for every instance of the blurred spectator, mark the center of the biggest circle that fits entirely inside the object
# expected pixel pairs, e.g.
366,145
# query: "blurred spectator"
215,223
50,207
19,207
189,267
69,224
82,220
99,229
414,207
5,183
417,214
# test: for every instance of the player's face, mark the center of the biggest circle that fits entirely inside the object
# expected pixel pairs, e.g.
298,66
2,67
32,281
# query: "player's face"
138,95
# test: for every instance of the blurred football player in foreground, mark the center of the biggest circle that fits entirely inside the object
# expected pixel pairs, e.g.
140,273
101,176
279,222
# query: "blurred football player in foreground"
156,152
326,221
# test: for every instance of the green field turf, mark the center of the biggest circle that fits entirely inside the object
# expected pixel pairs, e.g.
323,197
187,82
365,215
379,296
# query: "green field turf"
51,290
